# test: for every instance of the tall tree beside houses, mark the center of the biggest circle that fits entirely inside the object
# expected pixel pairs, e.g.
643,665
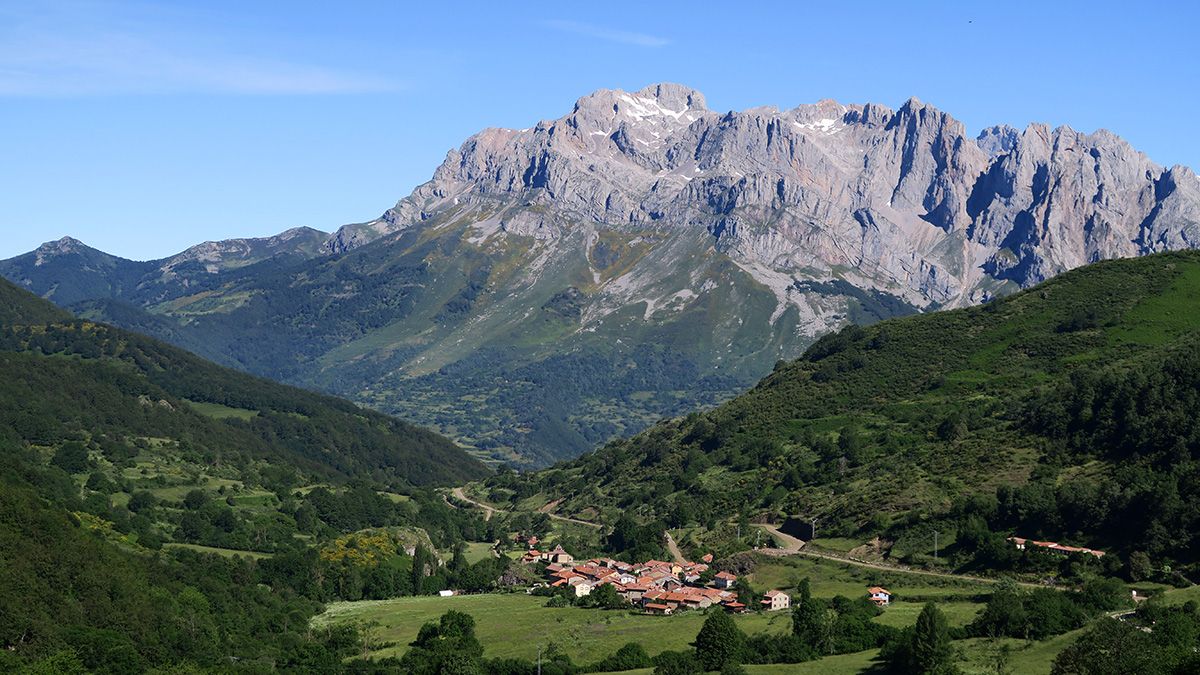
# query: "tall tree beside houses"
719,642
925,648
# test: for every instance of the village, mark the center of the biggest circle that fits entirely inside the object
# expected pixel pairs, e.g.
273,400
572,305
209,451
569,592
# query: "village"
658,586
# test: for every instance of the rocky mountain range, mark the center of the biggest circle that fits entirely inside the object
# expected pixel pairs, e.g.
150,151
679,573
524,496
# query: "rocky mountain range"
552,287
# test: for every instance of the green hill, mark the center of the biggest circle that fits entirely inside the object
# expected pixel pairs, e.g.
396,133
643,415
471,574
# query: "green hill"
74,380
1065,411
159,511
20,307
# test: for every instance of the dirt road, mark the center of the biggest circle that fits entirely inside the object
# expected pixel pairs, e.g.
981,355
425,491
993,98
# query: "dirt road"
676,554
794,546
488,511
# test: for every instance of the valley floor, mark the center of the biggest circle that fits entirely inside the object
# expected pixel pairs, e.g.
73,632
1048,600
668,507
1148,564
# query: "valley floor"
516,625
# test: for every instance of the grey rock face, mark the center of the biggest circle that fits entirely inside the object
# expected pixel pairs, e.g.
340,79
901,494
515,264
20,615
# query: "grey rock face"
900,200
215,256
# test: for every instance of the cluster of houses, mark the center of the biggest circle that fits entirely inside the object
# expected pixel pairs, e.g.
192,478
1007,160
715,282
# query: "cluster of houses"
1054,547
555,556
657,586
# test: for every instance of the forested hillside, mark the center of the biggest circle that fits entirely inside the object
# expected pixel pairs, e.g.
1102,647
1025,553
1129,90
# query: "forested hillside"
1066,411
76,380
159,511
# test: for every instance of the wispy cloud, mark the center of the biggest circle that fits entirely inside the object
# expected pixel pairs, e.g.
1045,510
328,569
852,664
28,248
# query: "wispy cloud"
602,33
81,49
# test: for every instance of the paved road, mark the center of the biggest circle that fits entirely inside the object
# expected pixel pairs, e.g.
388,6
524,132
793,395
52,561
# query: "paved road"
676,554
794,546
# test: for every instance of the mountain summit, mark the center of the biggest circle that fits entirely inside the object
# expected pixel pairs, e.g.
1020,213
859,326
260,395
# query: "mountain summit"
902,200
640,256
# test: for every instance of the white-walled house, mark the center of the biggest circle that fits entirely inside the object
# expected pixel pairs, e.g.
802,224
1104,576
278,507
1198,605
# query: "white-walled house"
775,600
880,595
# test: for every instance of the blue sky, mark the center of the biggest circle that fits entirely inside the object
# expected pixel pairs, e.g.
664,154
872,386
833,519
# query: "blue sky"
142,128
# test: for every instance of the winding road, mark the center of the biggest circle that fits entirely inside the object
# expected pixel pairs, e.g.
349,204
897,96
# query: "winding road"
488,511
459,494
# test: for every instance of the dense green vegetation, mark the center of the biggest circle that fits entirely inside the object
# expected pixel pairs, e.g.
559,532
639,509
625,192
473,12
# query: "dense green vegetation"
77,595
1045,612
1067,411
1155,639
75,380
158,511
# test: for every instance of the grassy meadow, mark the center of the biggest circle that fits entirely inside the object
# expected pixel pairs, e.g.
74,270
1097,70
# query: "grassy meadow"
515,625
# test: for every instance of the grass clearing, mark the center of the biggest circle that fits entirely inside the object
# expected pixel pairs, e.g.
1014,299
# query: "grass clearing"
226,552
904,614
222,412
842,544
474,552
978,655
1178,596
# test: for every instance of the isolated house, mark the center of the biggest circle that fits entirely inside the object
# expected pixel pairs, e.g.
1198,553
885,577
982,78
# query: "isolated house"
879,595
775,600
